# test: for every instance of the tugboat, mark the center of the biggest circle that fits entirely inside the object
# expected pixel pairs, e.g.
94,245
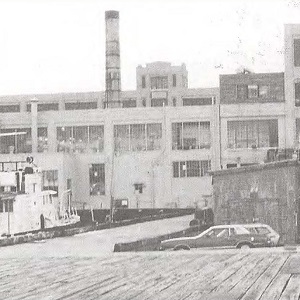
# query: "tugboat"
25,207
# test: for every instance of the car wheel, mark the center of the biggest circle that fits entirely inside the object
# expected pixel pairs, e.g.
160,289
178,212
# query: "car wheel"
245,246
181,247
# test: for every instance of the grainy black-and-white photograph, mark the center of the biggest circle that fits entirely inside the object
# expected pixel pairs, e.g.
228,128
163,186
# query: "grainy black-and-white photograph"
150,150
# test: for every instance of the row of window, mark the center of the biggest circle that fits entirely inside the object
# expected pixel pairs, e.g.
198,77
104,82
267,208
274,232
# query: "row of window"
143,137
261,92
131,137
126,103
54,106
159,82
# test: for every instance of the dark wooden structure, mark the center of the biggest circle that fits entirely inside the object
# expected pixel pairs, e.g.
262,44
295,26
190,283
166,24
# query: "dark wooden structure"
266,193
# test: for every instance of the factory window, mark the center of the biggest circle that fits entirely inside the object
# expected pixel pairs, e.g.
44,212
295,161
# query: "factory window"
129,103
97,179
297,94
137,137
17,140
297,52
159,102
154,135
191,135
159,82
264,91
50,181
252,134
252,91
80,105
7,205
241,91
174,80
80,139
191,168
42,139
143,82
44,106
196,101
9,108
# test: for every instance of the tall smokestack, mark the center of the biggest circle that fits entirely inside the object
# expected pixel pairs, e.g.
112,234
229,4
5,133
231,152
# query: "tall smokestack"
113,74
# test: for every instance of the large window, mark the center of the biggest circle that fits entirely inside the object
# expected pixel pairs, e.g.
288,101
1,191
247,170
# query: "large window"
45,106
18,142
6,205
129,103
252,134
196,101
159,102
191,168
255,92
191,135
42,139
97,179
50,180
80,139
159,82
137,137
9,108
80,105
297,52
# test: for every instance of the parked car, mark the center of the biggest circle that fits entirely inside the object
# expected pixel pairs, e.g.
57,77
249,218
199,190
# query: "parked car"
265,229
222,236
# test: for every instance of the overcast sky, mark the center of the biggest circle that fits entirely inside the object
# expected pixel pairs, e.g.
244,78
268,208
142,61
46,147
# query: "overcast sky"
59,46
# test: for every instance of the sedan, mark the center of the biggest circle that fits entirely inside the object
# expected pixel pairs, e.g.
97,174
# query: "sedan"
221,236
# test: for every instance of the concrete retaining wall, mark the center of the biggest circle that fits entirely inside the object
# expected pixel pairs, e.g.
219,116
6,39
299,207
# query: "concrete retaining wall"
153,244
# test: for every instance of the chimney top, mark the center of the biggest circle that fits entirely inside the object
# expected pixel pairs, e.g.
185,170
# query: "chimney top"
111,14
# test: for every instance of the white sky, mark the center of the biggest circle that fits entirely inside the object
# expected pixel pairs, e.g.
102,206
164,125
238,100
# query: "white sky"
59,46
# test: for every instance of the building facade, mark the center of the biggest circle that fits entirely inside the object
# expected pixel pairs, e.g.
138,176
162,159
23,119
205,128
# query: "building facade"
153,156
253,118
156,147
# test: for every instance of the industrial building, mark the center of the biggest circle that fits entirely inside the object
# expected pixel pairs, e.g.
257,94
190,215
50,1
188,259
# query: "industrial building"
153,146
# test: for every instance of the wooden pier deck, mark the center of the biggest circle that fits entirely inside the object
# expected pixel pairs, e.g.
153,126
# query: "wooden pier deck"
231,274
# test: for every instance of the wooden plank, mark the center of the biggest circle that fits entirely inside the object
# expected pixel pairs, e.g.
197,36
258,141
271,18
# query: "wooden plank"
140,282
274,290
230,271
201,276
249,279
245,276
292,290
81,278
262,282
71,273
